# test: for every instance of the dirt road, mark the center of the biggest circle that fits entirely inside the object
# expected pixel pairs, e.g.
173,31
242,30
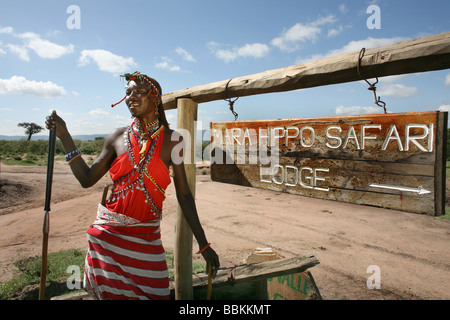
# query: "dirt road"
411,251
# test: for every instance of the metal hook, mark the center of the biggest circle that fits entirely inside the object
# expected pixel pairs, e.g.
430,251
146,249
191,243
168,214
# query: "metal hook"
372,87
231,102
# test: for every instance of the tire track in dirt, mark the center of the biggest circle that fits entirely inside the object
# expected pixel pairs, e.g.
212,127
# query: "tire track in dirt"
328,234
411,250
350,279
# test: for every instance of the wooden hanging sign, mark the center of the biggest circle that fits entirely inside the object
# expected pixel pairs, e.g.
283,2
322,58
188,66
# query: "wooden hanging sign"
393,160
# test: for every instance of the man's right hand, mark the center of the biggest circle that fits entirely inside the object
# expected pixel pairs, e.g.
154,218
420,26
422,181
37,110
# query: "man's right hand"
56,122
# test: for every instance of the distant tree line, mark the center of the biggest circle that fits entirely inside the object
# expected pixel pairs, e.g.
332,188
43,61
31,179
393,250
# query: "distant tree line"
9,148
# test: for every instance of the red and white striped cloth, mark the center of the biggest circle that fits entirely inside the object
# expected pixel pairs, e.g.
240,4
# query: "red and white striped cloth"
125,259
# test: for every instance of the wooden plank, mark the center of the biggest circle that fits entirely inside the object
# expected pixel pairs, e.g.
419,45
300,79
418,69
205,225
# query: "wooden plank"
295,286
350,188
81,295
258,271
389,160
187,115
418,55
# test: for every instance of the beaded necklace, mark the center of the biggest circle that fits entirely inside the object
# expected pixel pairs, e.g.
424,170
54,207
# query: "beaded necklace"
144,134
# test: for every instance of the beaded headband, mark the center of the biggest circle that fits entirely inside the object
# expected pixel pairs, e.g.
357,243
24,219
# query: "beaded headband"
138,76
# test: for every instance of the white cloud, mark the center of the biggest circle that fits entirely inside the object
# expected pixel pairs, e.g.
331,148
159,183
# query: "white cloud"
212,45
354,46
44,48
106,61
20,85
2,52
33,41
171,118
21,51
184,54
335,32
226,55
343,9
6,30
97,121
444,108
255,50
324,20
98,113
355,110
290,39
397,91
166,64
447,80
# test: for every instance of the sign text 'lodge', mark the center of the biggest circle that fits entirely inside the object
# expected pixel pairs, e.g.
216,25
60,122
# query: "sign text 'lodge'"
394,161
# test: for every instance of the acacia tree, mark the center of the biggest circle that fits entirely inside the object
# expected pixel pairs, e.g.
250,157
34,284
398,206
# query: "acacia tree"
30,128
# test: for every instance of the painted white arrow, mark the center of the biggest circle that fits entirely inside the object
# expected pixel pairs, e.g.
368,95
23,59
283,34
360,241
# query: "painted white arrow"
419,190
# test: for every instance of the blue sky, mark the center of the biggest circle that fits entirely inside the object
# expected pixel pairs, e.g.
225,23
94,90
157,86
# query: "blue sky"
46,64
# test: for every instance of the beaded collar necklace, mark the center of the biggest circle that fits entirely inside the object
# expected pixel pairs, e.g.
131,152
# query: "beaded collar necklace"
144,134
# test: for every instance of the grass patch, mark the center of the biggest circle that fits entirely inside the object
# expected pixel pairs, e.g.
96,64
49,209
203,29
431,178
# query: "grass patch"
197,267
446,215
25,285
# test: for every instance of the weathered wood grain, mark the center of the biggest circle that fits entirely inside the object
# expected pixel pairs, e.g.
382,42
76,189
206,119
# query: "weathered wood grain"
313,163
182,258
418,55
259,271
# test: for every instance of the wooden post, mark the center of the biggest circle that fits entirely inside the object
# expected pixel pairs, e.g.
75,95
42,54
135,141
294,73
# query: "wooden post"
187,116
440,163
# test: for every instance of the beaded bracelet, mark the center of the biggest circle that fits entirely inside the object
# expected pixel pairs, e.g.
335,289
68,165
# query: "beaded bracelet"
73,158
206,247
72,154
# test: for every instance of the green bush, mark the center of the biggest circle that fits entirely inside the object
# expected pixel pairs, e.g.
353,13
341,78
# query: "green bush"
19,148
92,146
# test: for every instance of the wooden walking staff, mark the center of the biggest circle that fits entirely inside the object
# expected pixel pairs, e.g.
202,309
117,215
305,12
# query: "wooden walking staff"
46,226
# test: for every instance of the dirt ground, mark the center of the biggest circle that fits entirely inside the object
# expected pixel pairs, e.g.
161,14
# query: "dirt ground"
411,250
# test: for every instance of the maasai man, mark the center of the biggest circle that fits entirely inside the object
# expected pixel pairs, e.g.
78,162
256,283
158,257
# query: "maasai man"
126,259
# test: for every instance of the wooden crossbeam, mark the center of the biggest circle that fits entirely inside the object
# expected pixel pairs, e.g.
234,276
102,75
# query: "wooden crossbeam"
419,55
